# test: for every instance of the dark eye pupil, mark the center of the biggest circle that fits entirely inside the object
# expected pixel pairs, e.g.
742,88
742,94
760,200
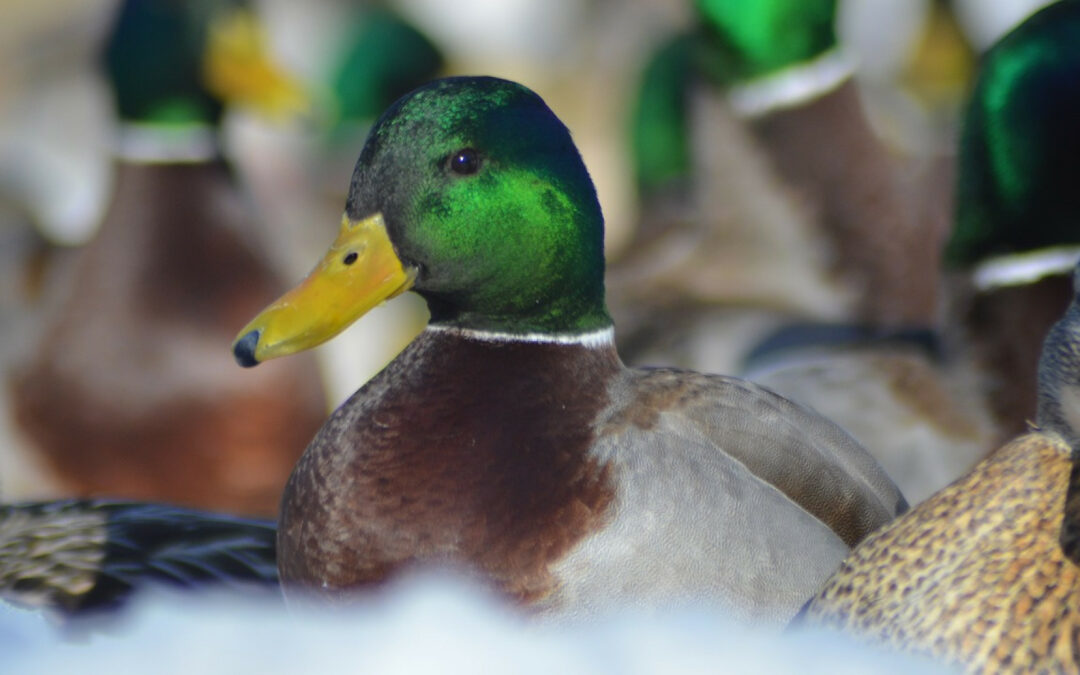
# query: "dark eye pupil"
465,162
350,258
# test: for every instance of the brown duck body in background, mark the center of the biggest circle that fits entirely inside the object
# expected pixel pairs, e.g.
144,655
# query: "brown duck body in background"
129,391
758,169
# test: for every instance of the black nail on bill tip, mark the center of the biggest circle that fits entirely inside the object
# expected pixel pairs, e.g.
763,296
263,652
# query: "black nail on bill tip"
244,349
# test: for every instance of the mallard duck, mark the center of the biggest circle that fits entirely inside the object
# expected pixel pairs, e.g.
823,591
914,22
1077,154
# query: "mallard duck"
985,573
509,437
928,419
126,393
81,557
789,207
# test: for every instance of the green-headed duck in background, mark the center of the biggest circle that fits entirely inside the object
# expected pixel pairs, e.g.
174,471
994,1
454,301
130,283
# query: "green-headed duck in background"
785,198
379,58
766,195
928,415
1009,260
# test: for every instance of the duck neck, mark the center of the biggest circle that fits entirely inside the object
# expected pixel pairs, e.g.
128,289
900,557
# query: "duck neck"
792,87
524,408
567,317
519,375
177,237
155,143
601,339
827,151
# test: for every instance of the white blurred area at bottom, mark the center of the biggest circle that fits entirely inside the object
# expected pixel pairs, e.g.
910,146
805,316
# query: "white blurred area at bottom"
424,623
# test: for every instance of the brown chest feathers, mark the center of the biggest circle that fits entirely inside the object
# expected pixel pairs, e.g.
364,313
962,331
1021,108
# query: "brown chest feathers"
462,451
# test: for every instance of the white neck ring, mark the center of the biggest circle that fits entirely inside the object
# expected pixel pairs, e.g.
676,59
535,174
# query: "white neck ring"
593,339
1019,269
792,86
164,144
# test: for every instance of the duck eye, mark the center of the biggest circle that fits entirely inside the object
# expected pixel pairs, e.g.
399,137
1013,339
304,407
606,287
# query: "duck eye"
465,162
350,258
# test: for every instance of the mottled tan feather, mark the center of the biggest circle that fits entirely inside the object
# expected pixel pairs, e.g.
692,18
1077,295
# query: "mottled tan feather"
975,575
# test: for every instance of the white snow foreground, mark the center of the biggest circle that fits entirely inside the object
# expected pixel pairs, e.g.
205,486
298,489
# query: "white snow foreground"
430,624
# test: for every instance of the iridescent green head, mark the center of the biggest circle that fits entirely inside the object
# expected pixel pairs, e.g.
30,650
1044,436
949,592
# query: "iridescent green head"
485,194
1017,176
181,61
752,39
659,129
470,192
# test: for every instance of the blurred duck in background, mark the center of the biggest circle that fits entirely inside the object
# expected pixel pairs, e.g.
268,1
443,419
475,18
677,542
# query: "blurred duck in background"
984,574
128,391
1015,239
358,57
383,57
758,170
930,413
915,63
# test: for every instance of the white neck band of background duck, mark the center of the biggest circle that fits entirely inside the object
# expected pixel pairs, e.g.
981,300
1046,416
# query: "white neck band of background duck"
1018,269
163,144
792,86
593,339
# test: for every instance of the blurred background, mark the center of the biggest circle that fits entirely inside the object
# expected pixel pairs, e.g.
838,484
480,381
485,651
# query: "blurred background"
583,56
913,63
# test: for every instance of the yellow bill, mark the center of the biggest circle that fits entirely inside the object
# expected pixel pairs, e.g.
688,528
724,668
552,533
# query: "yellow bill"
238,68
359,271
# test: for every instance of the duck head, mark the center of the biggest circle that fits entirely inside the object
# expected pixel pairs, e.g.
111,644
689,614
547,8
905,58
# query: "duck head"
747,40
470,192
385,58
1017,164
181,61
734,43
